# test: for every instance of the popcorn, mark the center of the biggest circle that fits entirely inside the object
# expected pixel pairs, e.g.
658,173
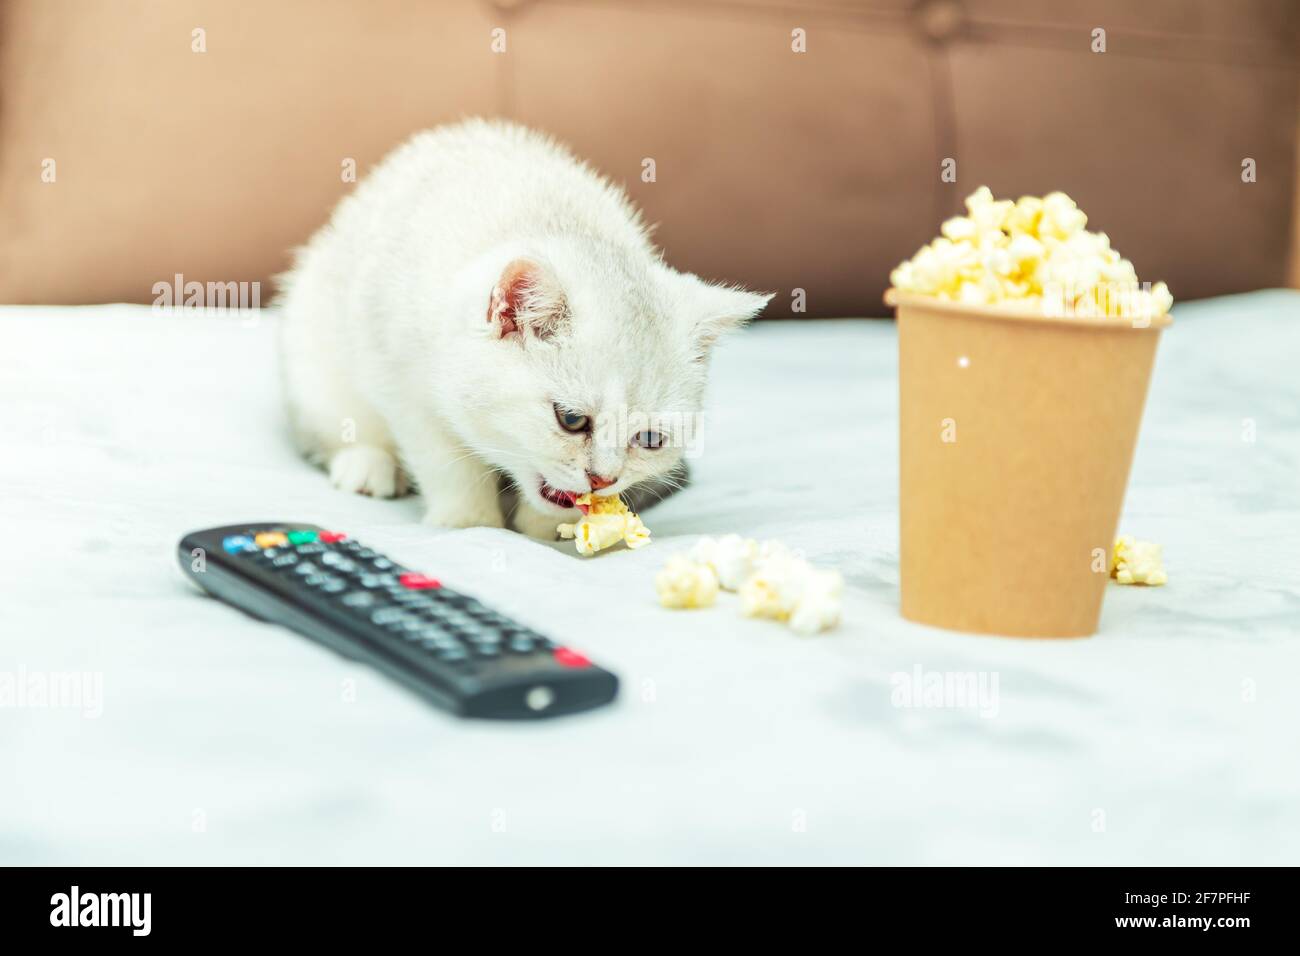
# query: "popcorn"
1137,562
787,588
731,557
774,589
818,608
987,213
960,229
773,582
1061,217
1032,255
605,522
1024,218
684,583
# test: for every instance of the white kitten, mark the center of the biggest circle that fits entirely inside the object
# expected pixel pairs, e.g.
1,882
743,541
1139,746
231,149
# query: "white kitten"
484,303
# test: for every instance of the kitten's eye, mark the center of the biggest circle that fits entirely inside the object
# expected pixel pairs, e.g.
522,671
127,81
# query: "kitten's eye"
572,421
648,439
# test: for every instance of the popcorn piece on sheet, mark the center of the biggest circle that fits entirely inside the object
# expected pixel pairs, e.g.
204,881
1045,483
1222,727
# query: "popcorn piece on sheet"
1137,562
819,605
774,588
1033,255
785,587
605,522
773,582
683,583
731,557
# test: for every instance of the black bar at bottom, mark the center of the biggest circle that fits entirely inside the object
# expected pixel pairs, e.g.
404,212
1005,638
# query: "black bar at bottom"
335,906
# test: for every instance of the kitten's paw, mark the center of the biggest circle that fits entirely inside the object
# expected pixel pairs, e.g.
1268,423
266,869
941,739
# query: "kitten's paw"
367,470
534,523
450,513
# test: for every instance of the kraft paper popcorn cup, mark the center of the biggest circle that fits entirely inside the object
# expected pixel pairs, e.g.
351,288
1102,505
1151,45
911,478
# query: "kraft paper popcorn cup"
1016,434
1017,422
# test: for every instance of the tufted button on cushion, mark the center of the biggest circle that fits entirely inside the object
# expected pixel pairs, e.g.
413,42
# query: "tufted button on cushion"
940,20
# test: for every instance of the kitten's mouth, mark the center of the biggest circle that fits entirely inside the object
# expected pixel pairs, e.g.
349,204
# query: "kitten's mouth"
561,499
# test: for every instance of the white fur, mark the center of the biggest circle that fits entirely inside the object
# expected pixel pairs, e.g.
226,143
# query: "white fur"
389,353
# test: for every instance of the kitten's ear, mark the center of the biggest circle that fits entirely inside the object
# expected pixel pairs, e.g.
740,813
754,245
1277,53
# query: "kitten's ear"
711,309
526,301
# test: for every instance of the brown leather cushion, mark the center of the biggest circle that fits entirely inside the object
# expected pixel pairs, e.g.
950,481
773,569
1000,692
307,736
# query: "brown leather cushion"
815,171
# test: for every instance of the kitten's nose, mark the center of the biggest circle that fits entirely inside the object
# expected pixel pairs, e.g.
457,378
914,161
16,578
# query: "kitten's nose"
597,482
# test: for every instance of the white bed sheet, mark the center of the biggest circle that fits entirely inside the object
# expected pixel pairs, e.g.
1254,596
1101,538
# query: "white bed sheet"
1170,737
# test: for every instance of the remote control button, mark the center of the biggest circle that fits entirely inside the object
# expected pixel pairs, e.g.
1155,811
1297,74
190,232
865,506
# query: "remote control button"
284,560
334,586
412,598
302,537
332,537
434,617
306,568
440,647
419,582
237,543
451,655
311,547
430,636
271,539
382,564
539,698
430,616
359,599
487,650
522,645
568,657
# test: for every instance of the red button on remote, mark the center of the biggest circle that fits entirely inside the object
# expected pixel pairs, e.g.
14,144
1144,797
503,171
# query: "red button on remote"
419,582
570,658
332,537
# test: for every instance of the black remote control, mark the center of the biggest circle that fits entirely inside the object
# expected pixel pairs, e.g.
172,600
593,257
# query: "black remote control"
448,647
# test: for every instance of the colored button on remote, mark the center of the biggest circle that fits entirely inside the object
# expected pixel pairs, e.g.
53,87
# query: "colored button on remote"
570,658
236,543
332,537
419,582
271,539
302,537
